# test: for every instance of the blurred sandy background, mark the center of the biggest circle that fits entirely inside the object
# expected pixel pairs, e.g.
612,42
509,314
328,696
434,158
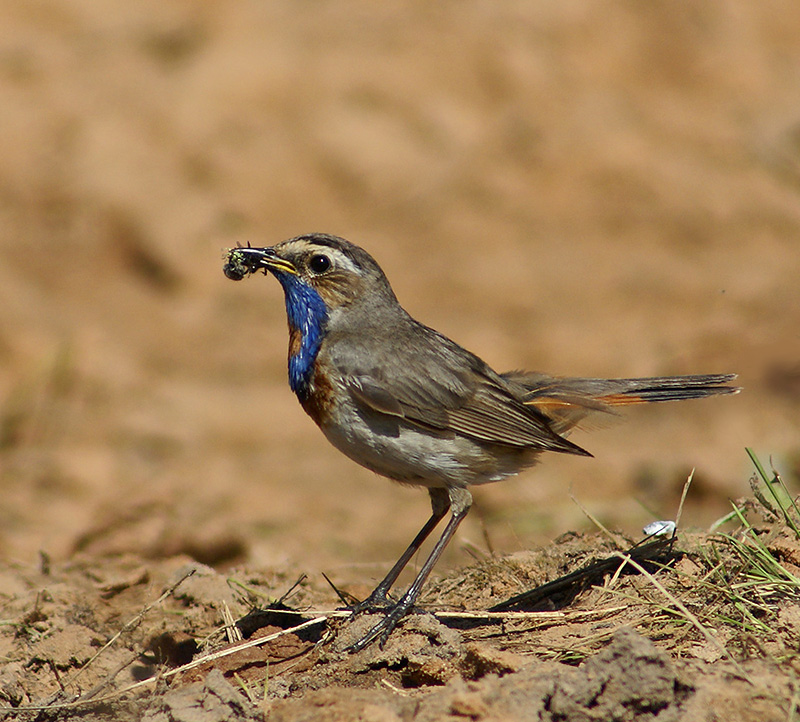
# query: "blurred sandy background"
608,188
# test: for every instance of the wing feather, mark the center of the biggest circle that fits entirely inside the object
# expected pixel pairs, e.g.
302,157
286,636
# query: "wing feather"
443,387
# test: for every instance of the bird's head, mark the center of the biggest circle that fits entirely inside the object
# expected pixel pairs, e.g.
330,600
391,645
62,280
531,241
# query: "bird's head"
336,271
327,282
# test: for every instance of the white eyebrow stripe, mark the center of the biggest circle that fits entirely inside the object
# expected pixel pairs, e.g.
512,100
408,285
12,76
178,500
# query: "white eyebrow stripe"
340,260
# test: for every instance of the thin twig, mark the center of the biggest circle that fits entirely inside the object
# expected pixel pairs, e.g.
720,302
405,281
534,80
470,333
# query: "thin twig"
347,599
291,589
683,499
232,632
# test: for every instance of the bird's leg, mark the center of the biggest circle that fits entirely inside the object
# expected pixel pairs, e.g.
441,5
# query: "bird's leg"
460,502
440,503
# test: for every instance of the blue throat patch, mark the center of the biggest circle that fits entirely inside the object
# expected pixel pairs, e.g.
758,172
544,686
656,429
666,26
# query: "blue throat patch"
308,314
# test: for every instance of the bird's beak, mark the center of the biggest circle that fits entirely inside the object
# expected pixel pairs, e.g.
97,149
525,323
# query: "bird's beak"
243,261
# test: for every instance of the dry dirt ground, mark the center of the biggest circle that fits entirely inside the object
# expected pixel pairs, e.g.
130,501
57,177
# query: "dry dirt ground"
607,189
699,632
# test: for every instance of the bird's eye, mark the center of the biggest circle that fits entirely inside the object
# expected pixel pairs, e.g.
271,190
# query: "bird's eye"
319,263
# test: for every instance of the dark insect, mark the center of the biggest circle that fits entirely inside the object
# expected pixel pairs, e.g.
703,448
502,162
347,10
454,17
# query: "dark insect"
237,266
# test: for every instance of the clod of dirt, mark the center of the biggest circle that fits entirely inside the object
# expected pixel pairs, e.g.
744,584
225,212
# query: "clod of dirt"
481,659
214,700
204,587
629,680
12,691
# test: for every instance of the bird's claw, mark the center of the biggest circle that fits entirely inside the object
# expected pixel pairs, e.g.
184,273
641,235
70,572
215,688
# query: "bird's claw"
382,629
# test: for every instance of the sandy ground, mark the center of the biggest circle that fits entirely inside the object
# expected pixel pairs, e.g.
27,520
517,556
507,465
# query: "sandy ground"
102,642
600,190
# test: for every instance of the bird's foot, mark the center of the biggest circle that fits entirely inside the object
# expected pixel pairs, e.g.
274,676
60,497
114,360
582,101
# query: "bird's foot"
384,627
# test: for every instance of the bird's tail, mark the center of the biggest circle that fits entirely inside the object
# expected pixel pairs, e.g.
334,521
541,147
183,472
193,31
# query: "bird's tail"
567,401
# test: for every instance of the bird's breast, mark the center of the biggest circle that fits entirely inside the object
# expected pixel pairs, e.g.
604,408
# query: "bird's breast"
319,401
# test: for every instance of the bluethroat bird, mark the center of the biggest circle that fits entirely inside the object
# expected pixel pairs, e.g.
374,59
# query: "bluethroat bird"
408,403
